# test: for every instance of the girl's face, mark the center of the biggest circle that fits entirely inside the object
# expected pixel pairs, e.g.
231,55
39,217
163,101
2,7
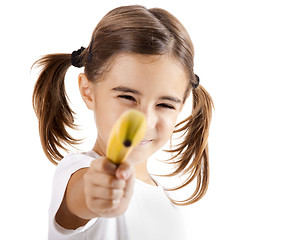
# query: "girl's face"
154,85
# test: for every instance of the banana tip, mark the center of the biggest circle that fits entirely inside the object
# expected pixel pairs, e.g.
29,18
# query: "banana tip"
127,143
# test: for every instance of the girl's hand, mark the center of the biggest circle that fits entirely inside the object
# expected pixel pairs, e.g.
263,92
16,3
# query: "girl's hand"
108,187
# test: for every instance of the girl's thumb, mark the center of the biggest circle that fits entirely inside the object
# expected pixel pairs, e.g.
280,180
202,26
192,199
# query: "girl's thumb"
124,171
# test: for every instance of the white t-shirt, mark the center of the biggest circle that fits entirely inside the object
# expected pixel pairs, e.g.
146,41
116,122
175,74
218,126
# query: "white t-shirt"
150,214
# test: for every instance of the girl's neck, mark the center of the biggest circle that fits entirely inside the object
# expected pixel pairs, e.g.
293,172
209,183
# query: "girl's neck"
142,173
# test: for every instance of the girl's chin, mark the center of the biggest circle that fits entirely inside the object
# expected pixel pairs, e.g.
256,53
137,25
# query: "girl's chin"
138,155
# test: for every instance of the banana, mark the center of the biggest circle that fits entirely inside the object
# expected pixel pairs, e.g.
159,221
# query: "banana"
126,133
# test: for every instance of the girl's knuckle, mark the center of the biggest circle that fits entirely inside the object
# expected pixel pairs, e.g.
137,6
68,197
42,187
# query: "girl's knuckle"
118,184
109,181
106,204
111,193
115,203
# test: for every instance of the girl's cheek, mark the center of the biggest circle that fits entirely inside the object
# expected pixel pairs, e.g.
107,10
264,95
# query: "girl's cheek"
168,124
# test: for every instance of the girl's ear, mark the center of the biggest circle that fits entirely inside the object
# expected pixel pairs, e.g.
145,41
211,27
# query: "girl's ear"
86,90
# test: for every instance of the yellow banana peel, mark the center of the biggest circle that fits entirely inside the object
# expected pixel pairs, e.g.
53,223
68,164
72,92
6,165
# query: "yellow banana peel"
126,134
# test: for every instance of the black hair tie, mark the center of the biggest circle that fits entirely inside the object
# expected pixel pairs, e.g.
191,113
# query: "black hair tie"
76,59
196,84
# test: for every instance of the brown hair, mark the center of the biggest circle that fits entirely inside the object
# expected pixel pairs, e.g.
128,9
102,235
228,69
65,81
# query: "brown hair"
131,29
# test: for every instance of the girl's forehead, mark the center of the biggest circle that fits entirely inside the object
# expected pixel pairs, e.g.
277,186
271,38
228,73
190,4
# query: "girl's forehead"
144,59
160,69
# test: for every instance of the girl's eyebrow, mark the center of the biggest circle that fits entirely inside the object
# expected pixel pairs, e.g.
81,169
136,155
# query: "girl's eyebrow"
126,89
169,98
129,90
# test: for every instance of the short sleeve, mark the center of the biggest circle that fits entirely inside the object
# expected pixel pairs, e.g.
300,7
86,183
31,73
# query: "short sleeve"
66,167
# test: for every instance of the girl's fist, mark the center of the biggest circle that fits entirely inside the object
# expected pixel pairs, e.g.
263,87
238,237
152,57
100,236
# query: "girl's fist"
108,187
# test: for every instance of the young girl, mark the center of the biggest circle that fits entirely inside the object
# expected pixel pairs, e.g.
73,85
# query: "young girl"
137,58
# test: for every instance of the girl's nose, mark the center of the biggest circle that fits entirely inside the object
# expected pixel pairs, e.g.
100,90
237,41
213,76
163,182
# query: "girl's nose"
151,118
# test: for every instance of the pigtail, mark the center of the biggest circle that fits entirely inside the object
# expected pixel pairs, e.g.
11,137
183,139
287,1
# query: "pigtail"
51,106
191,157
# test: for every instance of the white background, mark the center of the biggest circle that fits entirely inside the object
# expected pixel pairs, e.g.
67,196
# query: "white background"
250,56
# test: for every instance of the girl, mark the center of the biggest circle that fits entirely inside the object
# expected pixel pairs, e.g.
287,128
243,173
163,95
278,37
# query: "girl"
137,58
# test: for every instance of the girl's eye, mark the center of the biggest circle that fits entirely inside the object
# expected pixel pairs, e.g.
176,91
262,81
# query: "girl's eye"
163,105
128,97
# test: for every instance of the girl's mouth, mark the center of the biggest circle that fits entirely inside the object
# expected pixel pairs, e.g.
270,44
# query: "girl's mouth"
145,141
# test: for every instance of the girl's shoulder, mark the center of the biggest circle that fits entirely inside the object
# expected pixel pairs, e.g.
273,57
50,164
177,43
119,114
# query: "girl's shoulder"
81,155
75,161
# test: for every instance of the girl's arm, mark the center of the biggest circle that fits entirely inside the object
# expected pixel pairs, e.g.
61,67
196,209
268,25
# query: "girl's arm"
102,190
